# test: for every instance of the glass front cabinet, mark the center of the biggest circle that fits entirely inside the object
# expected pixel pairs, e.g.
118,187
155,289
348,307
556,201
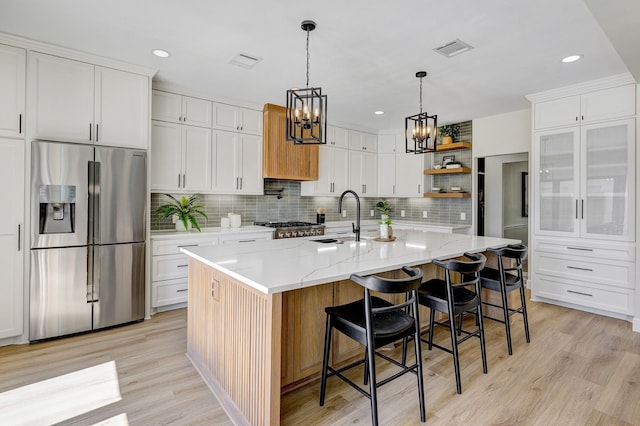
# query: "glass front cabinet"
585,181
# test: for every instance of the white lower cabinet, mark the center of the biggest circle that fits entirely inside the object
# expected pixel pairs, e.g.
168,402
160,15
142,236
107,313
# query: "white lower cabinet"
169,268
591,274
246,237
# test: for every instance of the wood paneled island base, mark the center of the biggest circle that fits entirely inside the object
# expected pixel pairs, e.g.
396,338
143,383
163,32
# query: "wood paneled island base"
234,341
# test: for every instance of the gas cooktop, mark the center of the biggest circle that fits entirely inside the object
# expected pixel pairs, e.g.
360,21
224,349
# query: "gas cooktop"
293,229
289,224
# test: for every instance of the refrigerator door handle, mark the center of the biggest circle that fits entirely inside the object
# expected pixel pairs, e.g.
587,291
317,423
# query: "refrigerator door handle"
91,281
94,203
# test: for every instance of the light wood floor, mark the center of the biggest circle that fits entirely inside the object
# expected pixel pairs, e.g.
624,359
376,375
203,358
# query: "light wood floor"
579,369
159,386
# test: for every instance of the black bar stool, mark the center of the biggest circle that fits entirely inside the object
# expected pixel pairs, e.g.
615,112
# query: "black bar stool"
503,282
454,299
374,322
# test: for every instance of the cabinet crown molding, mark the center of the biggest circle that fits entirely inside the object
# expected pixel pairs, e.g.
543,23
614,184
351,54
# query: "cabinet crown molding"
64,52
581,88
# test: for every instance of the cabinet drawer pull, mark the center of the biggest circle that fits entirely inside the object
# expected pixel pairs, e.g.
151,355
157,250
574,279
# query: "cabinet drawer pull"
580,293
245,241
580,269
182,266
188,245
579,248
20,124
182,290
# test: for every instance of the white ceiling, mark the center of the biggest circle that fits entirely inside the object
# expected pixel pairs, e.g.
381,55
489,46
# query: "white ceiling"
364,53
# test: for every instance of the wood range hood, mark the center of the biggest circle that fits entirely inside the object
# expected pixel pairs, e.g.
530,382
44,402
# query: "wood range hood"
281,159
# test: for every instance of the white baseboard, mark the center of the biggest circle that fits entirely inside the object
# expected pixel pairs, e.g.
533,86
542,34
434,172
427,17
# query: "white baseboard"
636,325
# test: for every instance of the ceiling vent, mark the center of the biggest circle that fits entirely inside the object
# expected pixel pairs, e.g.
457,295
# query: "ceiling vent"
245,61
453,48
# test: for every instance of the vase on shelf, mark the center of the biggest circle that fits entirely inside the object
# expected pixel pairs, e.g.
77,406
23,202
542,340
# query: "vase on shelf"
180,226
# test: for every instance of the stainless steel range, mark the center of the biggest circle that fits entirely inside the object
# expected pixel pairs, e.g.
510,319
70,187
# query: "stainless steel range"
293,229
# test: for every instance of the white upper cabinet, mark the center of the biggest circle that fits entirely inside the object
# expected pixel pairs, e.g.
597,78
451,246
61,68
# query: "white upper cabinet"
62,98
121,108
361,141
181,109
180,158
337,137
387,144
12,91
409,174
333,173
607,184
237,119
399,174
237,160
556,176
363,173
585,184
386,174
74,101
598,105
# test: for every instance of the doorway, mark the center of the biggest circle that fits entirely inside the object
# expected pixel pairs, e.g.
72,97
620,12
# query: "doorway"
503,197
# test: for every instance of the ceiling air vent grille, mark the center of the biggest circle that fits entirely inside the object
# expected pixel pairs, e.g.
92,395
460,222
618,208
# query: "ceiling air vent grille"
453,48
245,61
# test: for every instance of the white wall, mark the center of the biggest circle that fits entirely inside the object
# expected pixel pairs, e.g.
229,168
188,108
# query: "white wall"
508,133
493,192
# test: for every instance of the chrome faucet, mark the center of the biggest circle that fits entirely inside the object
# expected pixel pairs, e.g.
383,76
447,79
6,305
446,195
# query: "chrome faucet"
356,226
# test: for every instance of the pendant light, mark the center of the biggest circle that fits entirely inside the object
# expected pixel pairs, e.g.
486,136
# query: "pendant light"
307,108
420,129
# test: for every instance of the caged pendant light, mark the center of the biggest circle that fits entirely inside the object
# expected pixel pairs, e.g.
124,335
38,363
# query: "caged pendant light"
307,108
420,129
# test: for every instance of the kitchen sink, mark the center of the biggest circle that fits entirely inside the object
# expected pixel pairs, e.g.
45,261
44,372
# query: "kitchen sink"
338,240
325,240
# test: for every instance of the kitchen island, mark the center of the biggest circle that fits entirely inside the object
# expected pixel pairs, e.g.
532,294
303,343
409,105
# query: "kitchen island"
256,311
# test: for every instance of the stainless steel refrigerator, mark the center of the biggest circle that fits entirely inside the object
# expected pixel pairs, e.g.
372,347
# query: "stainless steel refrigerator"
88,220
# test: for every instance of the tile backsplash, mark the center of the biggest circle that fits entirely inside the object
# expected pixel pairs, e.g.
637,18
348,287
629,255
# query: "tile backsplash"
293,206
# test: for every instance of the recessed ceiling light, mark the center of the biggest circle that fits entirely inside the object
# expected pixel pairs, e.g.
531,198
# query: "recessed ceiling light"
571,58
379,112
161,53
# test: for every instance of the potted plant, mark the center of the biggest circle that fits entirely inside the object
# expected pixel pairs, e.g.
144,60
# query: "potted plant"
384,208
448,133
185,210
385,221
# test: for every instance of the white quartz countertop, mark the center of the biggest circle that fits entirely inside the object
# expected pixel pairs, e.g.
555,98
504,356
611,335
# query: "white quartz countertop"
275,266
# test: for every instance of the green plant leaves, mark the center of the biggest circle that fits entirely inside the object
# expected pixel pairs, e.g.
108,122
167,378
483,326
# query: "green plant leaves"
186,210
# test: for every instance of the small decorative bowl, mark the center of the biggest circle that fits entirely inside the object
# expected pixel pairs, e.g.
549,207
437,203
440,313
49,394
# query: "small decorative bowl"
437,166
